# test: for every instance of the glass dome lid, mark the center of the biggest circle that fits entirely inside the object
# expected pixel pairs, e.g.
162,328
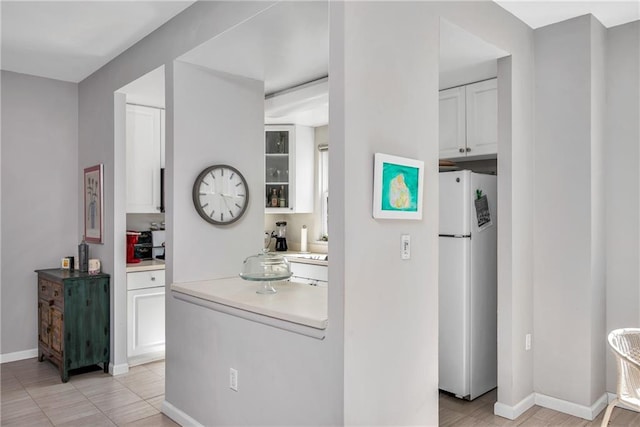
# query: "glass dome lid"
266,267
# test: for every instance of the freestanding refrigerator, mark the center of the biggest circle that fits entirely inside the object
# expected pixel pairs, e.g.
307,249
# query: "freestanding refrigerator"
468,284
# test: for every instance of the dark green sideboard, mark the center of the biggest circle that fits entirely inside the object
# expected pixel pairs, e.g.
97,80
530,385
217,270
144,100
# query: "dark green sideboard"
73,319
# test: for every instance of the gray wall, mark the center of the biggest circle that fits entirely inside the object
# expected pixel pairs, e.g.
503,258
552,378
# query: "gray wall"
390,307
284,378
40,184
569,212
622,182
99,144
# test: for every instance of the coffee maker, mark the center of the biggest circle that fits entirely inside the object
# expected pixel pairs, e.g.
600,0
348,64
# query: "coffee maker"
281,240
132,239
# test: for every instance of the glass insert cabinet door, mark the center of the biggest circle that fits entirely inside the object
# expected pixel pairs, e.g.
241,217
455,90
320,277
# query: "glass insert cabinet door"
277,183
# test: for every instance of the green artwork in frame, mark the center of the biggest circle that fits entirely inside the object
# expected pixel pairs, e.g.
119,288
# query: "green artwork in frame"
397,187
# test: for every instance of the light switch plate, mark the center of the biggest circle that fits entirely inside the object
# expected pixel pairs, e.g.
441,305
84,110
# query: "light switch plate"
405,247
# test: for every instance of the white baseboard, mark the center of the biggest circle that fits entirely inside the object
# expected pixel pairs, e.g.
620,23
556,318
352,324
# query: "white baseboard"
513,412
146,358
119,369
581,411
178,416
18,355
586,412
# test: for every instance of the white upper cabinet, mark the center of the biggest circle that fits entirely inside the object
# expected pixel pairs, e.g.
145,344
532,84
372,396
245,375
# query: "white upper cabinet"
289,169
144,158
469,121
452,122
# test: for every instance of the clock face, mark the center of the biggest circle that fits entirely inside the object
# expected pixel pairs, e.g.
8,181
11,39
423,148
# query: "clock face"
220,194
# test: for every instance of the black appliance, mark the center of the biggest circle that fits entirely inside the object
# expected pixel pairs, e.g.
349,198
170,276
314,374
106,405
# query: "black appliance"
281,238
144,248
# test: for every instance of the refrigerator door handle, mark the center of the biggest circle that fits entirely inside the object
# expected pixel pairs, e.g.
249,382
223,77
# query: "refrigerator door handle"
457,236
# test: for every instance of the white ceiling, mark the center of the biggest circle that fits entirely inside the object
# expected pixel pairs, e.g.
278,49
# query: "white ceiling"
538,13
147,90
69,40
285,46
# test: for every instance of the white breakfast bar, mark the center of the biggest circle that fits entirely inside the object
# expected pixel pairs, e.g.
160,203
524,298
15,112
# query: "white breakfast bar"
295,307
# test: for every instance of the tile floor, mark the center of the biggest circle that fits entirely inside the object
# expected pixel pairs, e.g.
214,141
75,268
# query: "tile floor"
479,412
33,395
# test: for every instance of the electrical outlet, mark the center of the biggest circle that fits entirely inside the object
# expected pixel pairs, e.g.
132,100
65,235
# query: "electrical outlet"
233,379
527,342
405,246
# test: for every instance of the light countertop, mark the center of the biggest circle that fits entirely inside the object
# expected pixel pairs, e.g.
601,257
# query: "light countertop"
294,302
147,265
306,257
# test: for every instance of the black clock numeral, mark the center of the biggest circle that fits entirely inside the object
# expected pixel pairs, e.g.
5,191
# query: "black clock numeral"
212,212
221,216
206,183
221,172
205,205
212,175
240,195
232,175
231,213
240,207
238,184
203,194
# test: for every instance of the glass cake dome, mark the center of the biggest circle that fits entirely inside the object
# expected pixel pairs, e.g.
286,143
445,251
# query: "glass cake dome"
266,267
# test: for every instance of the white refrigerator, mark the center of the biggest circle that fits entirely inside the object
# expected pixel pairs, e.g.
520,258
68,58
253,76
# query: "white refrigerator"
468,284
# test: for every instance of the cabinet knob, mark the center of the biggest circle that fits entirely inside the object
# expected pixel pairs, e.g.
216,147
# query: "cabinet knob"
153,279
468,149
461,150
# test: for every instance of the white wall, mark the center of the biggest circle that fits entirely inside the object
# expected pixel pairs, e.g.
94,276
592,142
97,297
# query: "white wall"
569,212
390,305
218,119
622,181
40,185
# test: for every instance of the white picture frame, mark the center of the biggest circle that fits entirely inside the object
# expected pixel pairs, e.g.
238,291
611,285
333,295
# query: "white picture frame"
397,187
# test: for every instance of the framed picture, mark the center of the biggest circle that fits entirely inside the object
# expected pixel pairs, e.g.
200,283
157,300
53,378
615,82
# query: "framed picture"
397,187
93,202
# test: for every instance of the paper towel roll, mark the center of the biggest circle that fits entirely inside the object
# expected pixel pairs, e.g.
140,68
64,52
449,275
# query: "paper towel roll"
303,239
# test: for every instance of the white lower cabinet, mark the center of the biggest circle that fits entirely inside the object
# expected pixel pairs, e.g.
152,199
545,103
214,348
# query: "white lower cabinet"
311,274
145,316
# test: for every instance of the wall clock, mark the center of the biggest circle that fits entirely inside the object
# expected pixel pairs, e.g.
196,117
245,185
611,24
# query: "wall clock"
220,194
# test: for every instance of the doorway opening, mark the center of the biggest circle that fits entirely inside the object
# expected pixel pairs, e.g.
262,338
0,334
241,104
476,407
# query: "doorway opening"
472,84
139,226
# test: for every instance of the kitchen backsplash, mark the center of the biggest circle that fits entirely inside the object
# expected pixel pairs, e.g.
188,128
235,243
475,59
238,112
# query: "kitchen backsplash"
294,226
142,222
